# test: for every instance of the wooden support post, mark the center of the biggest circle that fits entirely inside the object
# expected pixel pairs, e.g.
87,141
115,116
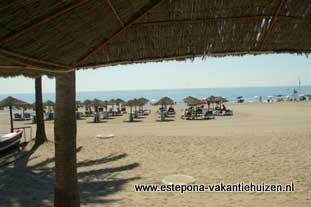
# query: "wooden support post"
65,129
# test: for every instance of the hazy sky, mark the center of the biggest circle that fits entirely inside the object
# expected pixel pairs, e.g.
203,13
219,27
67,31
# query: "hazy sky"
264,70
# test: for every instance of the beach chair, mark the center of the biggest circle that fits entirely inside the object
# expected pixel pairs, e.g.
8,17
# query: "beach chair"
171,111
228,113
147,112
208,115
27,116
50,116
17,117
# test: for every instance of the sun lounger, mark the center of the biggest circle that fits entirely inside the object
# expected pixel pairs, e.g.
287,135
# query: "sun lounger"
18,117
228,113
27,116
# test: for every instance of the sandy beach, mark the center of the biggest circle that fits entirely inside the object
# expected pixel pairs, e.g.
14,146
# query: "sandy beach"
261,143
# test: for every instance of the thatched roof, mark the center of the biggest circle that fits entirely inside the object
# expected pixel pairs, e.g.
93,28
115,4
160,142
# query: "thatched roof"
87,103
49,103
57,36
143,101
192,101
120,101
165,101
215,99
97,103
11,101
132,102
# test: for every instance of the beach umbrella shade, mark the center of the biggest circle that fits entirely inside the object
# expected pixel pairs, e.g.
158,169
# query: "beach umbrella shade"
210,99
113,102
97,103
49,104
165,101
120,101
220,99
131,103
192,101
88,104
10,102
143,100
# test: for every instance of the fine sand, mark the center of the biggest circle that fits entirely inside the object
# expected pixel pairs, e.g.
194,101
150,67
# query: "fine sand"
268,143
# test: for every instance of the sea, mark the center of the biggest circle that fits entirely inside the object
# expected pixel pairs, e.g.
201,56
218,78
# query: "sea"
250,94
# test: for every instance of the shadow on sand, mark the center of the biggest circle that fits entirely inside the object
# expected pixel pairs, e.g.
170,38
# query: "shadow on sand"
23,185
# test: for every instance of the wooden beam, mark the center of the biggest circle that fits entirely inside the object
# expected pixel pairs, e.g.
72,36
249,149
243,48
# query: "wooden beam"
274,19
143,12
115,13
42,21
202,20
26,60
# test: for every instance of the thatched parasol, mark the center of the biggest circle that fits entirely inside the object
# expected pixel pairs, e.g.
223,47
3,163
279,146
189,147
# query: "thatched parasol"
132,103
96,103
165,101
120,101
49,103
142,101
87,102
88,105
192,101
10,102
215,99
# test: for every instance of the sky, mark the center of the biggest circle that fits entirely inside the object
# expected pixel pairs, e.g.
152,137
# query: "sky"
246,71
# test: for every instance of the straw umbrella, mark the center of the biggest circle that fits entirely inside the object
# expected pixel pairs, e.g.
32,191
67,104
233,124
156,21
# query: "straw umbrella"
88,105
165,101
10,102
131,103
96,103
120,102
112,102
215,100
192,101
142,102
49,104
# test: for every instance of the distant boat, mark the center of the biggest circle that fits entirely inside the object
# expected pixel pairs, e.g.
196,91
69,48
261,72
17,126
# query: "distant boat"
10,140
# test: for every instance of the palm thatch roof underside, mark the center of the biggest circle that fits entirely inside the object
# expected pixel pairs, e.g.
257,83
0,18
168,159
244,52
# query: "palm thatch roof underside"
55,36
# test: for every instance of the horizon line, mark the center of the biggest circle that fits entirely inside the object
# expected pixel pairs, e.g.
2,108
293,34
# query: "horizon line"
162,89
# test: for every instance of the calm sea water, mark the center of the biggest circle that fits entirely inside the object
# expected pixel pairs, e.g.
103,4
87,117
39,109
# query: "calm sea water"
250,94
